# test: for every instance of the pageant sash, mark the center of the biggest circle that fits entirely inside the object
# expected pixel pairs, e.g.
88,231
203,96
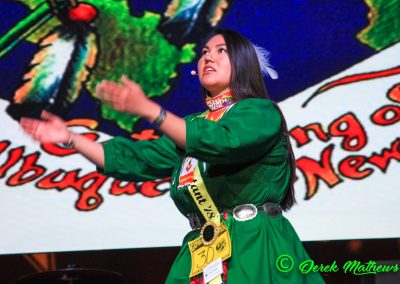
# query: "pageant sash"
214,241
203,200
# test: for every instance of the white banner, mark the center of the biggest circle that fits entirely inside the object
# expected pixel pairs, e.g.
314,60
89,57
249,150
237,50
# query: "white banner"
345,132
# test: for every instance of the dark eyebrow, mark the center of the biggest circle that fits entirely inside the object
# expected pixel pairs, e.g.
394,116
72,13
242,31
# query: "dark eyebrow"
218,45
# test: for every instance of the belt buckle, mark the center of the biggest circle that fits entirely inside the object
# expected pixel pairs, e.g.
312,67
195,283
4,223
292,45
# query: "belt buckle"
244,212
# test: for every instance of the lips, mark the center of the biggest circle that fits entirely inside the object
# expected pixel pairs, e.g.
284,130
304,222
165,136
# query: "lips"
208,69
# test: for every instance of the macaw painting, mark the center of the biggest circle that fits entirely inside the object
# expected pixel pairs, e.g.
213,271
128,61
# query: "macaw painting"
339,87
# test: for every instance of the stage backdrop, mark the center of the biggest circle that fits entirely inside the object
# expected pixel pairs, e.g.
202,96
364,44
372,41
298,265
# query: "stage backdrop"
339,87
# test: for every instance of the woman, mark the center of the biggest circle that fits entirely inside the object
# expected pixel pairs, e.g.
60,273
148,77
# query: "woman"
232,166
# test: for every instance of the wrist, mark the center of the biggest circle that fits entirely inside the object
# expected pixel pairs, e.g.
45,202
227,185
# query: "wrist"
151,112
161,117
69,143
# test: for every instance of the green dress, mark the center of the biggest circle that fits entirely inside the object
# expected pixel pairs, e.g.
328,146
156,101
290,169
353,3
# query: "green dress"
243,159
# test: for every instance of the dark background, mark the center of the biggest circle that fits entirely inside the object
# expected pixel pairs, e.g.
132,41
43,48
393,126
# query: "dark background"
152,265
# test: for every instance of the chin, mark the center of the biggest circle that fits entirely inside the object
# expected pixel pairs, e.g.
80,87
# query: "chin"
211,88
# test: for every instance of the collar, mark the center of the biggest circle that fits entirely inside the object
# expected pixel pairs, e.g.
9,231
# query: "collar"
220,101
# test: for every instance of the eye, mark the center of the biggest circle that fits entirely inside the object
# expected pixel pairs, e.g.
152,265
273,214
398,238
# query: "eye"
222,50
204,51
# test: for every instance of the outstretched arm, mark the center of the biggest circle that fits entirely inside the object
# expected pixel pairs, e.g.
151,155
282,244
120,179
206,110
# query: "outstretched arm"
52,129
125,97
129,97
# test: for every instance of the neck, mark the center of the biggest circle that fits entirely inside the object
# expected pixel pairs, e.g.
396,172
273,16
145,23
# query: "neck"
216,94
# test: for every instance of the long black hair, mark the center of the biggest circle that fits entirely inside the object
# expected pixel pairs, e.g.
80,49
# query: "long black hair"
247,82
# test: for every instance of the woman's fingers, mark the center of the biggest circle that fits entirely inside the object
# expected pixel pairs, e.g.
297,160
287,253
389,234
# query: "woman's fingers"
107,91
108,87
101,90
101,94
25,123
34,128
29,125
127,82
45,115
125,97
51,129
113,94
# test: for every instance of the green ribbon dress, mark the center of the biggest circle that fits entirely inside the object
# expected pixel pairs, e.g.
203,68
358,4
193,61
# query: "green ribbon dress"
243,159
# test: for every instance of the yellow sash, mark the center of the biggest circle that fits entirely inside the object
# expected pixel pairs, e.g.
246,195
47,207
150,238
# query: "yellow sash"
219,246
214,241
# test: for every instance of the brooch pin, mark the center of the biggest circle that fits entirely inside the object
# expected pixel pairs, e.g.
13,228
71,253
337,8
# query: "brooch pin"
209,233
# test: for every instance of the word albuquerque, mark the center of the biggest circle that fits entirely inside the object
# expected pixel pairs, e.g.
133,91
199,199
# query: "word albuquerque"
20,168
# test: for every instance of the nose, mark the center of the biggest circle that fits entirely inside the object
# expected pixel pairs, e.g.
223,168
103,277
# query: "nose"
208,57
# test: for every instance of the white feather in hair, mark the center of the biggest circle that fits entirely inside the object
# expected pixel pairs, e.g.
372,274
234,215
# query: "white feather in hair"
263,58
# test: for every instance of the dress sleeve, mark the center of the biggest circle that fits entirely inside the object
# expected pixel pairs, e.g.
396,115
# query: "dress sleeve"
245,133
143,160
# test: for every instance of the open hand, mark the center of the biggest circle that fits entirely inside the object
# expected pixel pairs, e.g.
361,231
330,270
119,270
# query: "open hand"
50,129
126,96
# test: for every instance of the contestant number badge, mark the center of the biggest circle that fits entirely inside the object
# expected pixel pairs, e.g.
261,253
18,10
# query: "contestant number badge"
203,254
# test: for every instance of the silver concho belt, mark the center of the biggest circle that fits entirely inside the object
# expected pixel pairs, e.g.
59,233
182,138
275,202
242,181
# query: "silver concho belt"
244,212
241,213
247,212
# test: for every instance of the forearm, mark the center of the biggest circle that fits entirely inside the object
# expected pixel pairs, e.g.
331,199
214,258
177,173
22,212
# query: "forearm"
173,126
129,97
90,149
